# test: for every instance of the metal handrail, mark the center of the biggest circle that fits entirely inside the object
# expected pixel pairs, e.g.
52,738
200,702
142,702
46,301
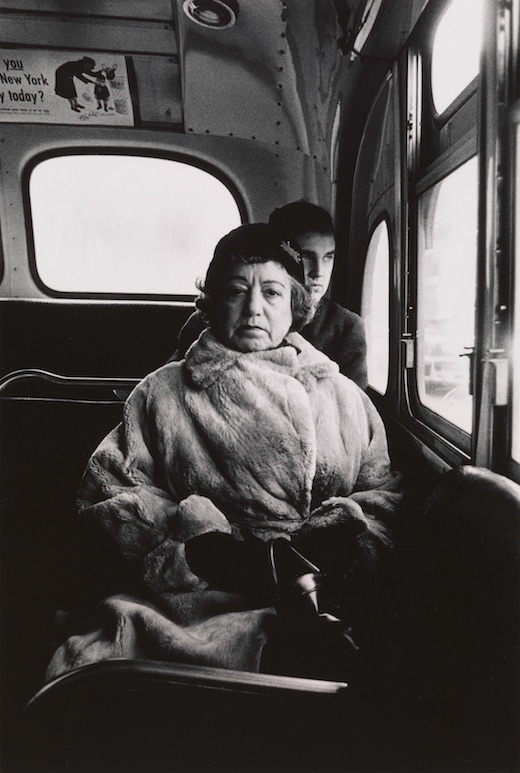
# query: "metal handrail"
56,378
188,674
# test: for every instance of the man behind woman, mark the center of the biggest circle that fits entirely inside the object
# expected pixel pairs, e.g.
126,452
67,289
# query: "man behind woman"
336,331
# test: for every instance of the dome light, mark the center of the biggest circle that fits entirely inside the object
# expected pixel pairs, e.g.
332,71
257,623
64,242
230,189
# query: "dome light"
212,14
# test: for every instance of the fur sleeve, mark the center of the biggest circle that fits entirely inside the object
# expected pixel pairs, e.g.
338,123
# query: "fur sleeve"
122,490
377,488
346,534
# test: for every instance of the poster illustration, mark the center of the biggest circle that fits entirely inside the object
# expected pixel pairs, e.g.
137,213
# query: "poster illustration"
64,87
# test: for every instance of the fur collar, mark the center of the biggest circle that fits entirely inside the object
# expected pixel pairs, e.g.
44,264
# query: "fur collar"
207,360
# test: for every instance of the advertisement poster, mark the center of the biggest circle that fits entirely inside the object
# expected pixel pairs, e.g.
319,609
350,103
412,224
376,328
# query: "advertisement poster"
64,87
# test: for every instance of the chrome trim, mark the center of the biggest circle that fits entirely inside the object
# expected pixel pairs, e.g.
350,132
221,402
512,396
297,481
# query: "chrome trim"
187,674
56,378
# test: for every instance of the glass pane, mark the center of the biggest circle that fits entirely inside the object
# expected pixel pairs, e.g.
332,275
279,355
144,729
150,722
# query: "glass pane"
515,449
375,307
126,224
447,264
456,51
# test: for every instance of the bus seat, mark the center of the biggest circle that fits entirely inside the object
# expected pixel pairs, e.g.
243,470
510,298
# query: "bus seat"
47,560
143,716
447,702
477,511
450,690
454,630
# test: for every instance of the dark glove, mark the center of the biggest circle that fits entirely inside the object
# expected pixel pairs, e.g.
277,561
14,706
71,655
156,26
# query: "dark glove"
314,637
231,565
342,540
333,546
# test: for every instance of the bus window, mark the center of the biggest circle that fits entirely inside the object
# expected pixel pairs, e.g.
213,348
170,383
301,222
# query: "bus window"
375,307
126,224
456,56
447,262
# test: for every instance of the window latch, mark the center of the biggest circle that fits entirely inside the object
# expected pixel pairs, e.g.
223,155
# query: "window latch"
408,350
501,376
469,352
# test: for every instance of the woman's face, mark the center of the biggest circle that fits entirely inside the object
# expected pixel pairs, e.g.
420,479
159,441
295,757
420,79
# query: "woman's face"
255,311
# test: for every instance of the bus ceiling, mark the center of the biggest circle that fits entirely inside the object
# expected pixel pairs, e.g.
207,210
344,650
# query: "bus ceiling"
285,61
268,72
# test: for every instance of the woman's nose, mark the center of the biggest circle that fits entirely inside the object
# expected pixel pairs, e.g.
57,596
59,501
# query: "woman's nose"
254,302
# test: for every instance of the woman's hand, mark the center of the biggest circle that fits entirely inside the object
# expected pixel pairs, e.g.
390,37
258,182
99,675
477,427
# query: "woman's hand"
339,537
335,511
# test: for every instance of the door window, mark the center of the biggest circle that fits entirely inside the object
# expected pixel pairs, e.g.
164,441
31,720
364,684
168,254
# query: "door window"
447,264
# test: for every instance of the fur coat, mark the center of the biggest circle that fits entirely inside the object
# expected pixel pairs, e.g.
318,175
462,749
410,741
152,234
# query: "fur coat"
271,441
337,332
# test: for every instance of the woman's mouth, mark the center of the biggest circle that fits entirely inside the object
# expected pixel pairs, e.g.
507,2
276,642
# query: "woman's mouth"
252,329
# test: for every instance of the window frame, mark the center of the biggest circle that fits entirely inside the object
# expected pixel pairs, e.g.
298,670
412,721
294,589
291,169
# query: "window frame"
454,434
427,163
492,106
441,118
512,466
110,150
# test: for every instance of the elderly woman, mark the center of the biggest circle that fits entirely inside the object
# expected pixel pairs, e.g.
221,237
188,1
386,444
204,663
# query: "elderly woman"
254,436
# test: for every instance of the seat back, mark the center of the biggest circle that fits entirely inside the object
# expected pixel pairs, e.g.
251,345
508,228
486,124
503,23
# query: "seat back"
143,716
458,625
47,562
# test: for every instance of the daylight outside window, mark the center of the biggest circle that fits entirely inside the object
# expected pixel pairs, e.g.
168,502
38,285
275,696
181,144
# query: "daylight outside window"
126,224
456,51
375,307
447,265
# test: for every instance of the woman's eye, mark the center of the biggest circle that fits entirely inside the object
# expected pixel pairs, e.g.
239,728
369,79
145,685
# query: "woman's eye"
271,293
234,292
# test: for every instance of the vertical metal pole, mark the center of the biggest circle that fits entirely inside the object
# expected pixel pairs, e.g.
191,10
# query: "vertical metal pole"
492,241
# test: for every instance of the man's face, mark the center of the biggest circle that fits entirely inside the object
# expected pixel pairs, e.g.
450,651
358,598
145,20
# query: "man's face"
318,253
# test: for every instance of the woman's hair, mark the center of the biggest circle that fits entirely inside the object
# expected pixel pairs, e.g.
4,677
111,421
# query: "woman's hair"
299,217
250,244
